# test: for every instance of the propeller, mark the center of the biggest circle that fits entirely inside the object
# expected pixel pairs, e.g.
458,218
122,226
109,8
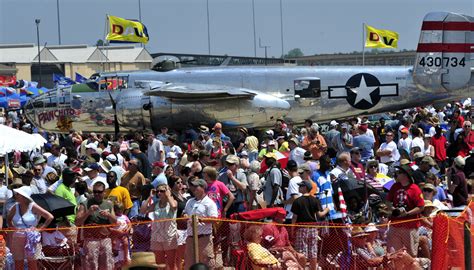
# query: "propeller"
114,107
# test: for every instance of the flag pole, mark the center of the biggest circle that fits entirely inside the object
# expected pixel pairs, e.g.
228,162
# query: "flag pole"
363,44
105,41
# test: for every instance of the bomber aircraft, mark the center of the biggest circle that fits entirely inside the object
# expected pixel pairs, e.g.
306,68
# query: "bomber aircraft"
255,96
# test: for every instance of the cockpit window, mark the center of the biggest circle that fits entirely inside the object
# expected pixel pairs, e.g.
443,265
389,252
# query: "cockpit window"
308,88
113,83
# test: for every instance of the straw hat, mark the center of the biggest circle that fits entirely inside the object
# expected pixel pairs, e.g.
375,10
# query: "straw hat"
143,259
358,232
16,183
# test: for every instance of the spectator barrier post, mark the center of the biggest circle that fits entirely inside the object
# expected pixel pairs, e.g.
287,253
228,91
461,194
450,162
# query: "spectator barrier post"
195,238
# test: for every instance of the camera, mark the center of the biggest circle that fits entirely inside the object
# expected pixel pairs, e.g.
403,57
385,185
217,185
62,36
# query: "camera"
397,211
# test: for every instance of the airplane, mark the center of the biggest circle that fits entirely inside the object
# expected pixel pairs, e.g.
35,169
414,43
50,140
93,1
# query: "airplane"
255,96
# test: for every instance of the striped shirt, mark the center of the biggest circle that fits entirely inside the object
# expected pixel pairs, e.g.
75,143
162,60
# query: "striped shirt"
323,180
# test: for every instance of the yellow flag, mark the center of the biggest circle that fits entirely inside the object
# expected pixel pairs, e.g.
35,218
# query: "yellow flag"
377,38
126,31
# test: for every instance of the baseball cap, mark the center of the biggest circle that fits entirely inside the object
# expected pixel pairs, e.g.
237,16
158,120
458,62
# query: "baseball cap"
92,166
272,142
303,167
199,182
134,146
112,158
355,149
203,128
291,164
345,125
459,161
158,164
404,130
333,123
306,184
418,155
307,155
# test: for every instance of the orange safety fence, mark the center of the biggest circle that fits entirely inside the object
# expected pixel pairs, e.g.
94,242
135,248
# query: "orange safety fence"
452,240
240,244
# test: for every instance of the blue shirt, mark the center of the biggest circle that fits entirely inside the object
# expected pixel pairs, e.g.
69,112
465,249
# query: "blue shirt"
366,144
326,192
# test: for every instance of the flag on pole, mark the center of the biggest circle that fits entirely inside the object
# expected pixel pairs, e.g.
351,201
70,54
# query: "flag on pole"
378,38
80,78
126,31
342,204
60,80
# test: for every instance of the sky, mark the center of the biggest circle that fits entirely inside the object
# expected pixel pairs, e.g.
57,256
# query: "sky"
180,26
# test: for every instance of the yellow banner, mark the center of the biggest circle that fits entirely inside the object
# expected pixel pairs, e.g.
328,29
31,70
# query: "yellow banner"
126,31
378,38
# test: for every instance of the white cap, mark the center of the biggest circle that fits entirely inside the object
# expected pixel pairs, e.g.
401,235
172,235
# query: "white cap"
171,155
334,123
91,146
111,158
460,161
269,132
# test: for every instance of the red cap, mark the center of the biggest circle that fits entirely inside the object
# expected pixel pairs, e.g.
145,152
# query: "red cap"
404,130
159,164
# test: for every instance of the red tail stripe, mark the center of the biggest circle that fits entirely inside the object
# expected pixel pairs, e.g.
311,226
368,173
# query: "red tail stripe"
448,26
446,47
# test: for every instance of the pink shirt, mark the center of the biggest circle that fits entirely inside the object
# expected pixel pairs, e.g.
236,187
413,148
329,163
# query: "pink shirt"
217,191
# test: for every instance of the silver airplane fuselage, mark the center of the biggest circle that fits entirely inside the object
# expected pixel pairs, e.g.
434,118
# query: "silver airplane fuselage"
294,93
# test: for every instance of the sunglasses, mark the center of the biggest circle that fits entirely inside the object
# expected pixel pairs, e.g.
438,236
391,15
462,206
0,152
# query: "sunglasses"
97,191
373,166
160,191
427,190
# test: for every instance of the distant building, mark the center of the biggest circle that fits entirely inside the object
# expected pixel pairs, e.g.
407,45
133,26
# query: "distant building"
69,59
405,58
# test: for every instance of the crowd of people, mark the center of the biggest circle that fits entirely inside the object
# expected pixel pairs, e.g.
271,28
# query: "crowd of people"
412,165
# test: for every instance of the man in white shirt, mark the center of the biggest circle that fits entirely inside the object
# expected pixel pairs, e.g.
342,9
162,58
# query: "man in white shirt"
388,152
203,207
156,150
293,189
93,176
56,158
343,167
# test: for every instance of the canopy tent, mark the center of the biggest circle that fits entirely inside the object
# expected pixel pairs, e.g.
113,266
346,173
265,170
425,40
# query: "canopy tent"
13,139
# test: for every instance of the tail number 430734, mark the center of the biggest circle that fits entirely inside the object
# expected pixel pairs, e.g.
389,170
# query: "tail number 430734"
442,61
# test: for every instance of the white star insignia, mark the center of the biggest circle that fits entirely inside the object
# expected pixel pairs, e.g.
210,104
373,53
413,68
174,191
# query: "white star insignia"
363,91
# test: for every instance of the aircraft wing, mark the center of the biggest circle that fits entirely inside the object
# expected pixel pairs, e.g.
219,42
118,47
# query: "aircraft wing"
202,91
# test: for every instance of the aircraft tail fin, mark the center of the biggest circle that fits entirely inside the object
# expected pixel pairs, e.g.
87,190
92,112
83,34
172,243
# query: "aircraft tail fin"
443,57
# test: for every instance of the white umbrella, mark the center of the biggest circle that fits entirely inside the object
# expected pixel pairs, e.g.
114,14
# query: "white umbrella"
13,139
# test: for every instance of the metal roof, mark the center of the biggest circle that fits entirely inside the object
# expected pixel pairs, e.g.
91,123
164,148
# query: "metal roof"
28,53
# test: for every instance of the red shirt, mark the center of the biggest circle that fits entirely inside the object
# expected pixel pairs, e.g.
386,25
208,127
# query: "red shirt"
408,197
439,145
467,145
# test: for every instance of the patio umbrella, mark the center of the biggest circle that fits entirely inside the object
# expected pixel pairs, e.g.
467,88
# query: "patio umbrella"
282,158
56,205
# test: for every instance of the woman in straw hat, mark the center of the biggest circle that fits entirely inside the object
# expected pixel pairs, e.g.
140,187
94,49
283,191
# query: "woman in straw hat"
24,215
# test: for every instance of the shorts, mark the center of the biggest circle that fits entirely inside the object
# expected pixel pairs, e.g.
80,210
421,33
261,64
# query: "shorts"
182,235
307,242
400,237
171,244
